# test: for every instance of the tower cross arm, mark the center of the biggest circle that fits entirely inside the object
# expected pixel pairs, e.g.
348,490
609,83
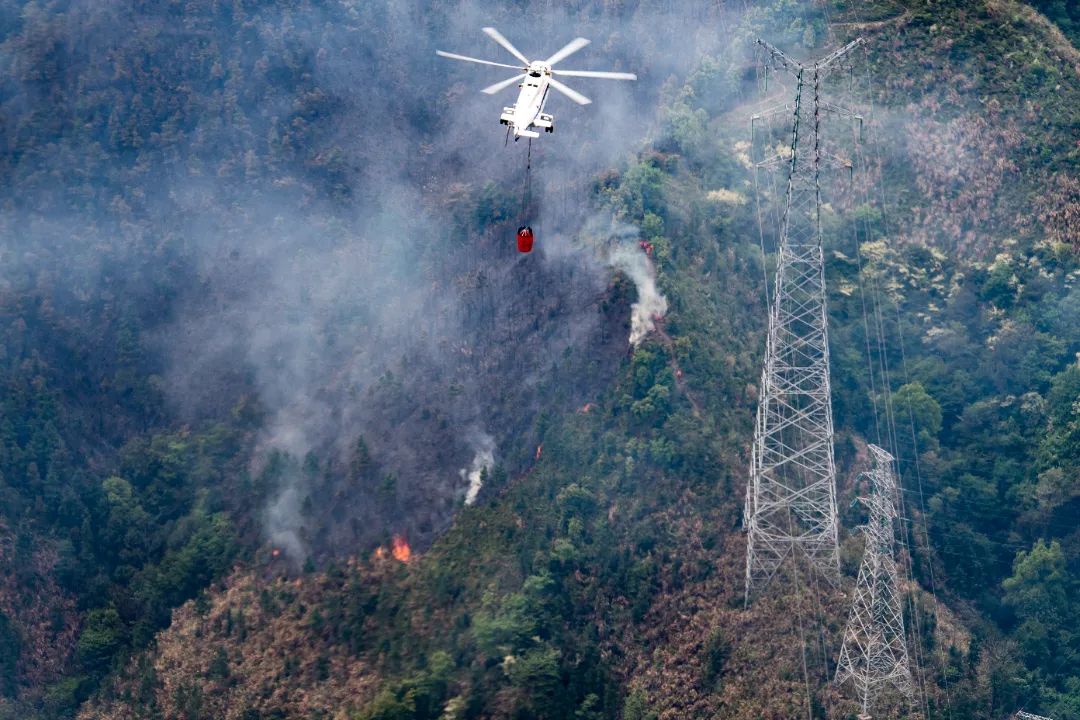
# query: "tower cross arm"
838,53
780,58
839,110
782,109
824,63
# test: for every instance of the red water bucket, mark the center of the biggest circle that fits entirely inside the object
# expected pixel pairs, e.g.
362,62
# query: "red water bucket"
524,239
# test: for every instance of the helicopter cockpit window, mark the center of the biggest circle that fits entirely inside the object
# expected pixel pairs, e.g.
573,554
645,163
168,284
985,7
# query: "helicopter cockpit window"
534,73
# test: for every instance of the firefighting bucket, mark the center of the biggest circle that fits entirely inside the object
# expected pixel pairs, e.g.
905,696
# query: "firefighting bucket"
524,239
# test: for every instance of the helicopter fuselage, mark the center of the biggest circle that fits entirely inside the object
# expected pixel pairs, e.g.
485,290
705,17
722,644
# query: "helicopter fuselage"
533,86
528,111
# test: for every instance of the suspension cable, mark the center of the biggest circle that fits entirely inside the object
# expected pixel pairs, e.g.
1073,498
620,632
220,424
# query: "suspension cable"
526,191
761,229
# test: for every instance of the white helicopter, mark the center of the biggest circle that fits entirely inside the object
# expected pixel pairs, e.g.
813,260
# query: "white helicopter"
535,81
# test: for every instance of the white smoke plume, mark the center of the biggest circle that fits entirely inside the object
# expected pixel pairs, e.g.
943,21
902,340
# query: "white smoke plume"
650,305
484,459
619,247
284,522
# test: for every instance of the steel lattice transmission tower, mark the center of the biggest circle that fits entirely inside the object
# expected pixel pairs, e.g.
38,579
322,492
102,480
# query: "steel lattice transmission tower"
790,509
874,653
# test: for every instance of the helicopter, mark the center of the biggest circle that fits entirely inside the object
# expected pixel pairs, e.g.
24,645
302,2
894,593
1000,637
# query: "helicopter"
535,80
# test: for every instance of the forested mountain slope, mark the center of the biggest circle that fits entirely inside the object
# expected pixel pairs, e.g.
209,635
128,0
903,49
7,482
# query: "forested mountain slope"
261,315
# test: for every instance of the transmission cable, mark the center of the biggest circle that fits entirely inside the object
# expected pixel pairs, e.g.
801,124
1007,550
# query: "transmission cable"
890,431
915,449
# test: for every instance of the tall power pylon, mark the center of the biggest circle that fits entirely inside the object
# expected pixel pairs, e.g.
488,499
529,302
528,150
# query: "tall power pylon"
874,653
791,494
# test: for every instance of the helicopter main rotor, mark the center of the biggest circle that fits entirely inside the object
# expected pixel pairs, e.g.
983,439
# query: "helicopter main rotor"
540,67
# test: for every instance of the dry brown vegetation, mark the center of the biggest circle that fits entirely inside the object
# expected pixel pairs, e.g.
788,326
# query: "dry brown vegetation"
43,615
261,641
256,646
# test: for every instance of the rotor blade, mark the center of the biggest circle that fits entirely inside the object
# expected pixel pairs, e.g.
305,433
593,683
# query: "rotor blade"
492,89
569,92
571,47
596,74
452,56
497,37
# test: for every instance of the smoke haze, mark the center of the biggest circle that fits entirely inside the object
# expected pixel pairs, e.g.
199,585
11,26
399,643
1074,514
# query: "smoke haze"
343,210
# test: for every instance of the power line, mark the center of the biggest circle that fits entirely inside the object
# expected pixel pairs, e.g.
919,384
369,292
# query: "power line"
911,419
890,434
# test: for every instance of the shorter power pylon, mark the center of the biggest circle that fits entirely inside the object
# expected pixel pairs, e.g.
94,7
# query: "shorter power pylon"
874,653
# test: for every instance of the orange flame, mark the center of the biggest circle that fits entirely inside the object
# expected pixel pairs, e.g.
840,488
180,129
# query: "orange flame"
586,408
539,450
380,553
400,548
275,552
